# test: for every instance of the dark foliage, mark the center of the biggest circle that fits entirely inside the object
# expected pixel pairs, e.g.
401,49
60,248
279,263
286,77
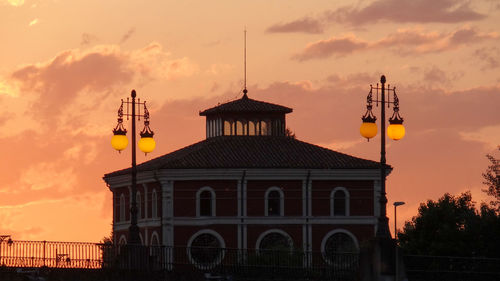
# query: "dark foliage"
452,226
492,180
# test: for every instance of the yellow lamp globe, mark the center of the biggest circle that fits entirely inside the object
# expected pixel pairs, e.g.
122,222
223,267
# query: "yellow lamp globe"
119,141
147,144
368,129
396,131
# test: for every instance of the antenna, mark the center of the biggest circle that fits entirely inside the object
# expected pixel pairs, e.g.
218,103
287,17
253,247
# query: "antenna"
245,62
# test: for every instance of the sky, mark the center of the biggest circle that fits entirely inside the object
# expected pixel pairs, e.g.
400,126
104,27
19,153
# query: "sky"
65,66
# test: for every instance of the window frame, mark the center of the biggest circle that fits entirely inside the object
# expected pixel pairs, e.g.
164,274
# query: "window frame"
212,201
346,203
282,202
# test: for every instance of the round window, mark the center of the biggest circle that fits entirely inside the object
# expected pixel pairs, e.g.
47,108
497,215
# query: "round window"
340,249
206,250
275,241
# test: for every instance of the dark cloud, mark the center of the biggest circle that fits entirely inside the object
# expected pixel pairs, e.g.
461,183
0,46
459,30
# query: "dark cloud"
304,25
127,35
61,80
333,46
406,11
404,42
489,57
88,39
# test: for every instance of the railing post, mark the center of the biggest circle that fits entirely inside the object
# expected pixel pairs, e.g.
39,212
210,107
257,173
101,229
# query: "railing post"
44,242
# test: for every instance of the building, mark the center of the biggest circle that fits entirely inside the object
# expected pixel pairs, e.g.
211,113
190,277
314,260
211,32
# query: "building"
249,185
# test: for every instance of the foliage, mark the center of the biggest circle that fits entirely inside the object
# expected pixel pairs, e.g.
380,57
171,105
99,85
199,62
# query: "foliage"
452,226
492,180
289,133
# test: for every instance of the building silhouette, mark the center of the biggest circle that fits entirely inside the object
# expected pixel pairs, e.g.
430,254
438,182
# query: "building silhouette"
250,185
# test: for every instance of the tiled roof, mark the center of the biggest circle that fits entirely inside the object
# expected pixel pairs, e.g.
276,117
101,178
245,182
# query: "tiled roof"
246,104
253,152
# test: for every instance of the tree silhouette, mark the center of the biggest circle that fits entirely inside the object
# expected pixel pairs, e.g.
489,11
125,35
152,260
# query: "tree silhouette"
492,180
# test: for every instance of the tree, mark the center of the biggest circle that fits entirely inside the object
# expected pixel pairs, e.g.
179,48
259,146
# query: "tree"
452,226
492,180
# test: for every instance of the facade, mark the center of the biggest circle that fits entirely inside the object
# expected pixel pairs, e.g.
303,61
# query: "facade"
249,185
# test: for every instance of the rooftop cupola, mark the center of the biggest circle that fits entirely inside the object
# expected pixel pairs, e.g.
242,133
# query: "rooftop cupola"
246,117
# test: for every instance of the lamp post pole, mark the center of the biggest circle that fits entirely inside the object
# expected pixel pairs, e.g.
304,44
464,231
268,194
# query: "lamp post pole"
396,204
134,229
395,131
383,221
146,144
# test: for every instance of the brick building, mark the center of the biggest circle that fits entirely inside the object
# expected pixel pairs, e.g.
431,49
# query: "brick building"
249,185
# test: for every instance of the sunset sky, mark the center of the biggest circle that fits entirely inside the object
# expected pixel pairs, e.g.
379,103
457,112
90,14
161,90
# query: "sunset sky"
65,65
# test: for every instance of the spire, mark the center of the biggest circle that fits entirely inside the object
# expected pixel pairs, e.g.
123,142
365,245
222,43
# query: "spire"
245,91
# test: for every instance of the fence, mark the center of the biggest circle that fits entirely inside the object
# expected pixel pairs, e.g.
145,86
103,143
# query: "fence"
219,261
451,268
51,254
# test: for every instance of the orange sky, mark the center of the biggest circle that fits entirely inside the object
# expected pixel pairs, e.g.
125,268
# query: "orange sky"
65,65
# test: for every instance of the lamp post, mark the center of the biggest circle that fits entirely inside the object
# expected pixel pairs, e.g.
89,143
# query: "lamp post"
396,204
395,131
147,144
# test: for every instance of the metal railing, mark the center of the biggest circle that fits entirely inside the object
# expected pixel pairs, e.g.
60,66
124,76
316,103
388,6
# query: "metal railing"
51,254
420,267
219,261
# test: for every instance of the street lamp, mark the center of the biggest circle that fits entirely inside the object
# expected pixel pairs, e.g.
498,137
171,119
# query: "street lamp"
147,144
396,204
395,131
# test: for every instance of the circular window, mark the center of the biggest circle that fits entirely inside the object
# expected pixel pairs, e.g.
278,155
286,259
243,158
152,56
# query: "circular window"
275,241
340,249
206,249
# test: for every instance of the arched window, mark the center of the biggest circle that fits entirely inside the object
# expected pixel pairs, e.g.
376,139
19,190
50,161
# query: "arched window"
122,207
228,127
339,246
122,240
154,204
206,249
205,202
139,204
339,201
274,240
274,202
265,127
241,127
154,239
252,129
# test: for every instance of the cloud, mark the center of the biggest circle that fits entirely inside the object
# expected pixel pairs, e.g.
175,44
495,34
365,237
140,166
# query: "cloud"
404,42
304,25
15,3
87,39
340,46
406,11
489,57
58,83
33,22
127,35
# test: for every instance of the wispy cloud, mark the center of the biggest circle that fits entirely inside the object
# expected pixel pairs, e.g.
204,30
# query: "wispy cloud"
127,35
406,11
402,42
15,3
489,57
33,22
304,25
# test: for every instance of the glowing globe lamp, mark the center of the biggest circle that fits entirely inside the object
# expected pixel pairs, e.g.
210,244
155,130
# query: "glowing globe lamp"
368,129
119,140
147,144
396,131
